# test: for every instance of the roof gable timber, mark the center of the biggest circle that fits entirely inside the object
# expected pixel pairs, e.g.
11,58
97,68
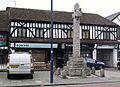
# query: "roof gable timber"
113,16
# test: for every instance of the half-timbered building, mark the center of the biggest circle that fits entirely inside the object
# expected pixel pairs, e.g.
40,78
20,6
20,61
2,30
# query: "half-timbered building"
29,29
116,19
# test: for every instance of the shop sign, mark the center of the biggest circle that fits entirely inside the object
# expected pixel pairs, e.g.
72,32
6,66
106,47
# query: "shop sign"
35,45
3,43
105,47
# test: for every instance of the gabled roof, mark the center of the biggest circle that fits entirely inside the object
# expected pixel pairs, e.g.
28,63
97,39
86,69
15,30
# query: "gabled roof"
59,16
113,16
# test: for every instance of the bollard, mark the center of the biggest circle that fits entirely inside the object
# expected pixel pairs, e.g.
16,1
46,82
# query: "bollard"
66,69
58,71
83,73
93,70
102,73
63,74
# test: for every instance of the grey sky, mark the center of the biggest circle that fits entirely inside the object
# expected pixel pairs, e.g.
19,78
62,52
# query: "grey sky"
101,7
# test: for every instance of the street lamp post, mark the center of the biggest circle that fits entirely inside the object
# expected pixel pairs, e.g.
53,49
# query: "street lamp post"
51,37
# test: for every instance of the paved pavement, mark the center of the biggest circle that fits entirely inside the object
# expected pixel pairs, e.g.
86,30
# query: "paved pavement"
43,78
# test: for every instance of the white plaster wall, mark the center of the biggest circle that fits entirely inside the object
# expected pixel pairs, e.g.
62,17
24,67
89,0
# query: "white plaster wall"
114,57
94,54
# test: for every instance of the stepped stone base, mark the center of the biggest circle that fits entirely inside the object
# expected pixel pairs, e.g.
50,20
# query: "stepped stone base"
79,72
75,71
76,67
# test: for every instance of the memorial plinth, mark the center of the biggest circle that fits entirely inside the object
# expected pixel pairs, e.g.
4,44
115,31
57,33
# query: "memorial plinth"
76,66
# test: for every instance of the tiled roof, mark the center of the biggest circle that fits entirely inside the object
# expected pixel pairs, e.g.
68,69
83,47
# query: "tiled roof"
59,16
4,21
113,16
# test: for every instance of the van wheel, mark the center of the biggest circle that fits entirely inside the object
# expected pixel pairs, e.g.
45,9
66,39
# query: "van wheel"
118,67
8,76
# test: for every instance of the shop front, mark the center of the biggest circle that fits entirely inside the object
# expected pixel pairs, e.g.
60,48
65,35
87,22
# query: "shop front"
40,51
3,47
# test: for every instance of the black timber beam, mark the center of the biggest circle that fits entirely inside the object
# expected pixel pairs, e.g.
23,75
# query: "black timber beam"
55,40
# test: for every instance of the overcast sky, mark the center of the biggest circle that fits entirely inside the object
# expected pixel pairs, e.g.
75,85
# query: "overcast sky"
101,7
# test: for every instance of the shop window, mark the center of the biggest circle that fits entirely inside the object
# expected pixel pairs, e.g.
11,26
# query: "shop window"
3,40
3,43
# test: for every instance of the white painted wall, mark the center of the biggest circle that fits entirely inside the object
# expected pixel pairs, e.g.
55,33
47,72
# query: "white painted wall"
114,57
94,54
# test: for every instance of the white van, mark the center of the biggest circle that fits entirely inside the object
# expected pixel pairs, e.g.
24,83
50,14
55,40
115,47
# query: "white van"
20,63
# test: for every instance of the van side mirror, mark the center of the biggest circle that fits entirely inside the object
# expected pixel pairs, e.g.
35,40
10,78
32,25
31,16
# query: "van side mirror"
11,51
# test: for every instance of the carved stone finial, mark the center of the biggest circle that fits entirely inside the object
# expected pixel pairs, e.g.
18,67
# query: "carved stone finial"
76,6
77,11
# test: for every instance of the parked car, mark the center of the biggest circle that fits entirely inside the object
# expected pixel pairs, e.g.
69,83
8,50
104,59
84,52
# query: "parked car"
20,63
118,65
94,63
